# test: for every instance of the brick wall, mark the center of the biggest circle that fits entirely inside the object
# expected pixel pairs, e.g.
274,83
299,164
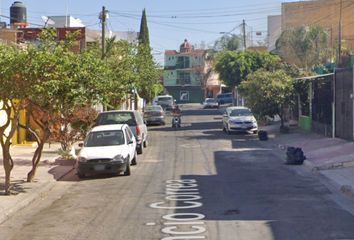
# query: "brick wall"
324,13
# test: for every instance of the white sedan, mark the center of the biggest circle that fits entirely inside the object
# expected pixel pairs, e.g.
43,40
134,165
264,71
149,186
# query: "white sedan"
239,119
107,149
210,103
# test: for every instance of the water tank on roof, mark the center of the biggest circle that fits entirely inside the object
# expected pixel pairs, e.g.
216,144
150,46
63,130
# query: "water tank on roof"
18,14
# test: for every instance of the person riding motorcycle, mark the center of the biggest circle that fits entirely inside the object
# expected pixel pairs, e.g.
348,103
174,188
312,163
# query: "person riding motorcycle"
176,114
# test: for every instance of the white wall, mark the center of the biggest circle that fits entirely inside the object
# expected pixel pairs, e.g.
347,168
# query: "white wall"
274,30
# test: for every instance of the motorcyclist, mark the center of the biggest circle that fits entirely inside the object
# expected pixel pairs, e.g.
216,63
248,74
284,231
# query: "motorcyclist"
176,113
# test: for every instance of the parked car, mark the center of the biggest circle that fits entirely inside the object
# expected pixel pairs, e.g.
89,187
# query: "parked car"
165,101
225,98
239,119
107,149
130,117
210,103
154,115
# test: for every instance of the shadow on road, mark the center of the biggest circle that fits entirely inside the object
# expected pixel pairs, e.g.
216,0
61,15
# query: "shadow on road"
252,186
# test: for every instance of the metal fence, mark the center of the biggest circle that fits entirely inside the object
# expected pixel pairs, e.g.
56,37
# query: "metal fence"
344,103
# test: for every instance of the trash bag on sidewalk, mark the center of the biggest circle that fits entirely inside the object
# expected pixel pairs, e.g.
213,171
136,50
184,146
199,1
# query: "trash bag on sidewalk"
262,135
294,156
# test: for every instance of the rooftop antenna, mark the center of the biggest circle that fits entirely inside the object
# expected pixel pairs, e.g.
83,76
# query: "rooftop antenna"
66,14
47,20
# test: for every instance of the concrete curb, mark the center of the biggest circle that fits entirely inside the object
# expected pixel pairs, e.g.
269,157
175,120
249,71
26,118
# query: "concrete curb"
37,192
346,190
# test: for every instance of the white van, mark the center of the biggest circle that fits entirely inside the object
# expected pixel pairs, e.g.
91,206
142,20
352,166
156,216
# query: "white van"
165,101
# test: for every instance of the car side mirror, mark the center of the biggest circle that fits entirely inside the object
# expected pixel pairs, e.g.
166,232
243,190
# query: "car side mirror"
131,142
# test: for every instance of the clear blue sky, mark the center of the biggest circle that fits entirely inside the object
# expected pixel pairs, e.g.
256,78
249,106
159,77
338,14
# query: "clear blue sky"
169,22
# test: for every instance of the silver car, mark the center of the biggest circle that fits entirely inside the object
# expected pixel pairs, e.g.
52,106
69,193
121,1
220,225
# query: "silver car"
210,103
239,119
154,115
133,119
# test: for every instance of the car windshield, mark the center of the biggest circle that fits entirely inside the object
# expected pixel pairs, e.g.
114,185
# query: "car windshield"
105,138
240,112
117,118
163,99
153,108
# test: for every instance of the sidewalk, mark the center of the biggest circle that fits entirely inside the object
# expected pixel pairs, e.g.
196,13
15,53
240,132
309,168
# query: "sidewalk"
331,158
48,173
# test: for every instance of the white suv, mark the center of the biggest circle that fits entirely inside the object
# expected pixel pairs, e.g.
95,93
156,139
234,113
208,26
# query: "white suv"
133,119
165,101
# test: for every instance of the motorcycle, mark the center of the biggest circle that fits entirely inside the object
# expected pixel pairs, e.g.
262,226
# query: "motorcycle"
176,122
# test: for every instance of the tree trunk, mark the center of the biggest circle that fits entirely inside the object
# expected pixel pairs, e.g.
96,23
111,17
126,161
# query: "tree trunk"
35,161
8,166
38,153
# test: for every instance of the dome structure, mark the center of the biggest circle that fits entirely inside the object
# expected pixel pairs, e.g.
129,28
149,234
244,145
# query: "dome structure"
185,46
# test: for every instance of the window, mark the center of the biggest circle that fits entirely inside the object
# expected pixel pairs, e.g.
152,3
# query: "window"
129,134
116,118
183,78
183,62
105,138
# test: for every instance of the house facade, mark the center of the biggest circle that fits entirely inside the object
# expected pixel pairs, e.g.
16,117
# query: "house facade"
187,76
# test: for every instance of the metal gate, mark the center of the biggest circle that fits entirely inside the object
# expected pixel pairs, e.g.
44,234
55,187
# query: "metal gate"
344,103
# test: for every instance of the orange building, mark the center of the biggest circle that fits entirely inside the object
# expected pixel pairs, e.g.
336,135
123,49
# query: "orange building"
324,13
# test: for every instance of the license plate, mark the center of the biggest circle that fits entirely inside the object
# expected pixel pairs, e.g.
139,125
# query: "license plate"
99,167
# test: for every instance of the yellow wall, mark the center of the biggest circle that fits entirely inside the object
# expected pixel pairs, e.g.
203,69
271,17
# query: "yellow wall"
8,35
20,135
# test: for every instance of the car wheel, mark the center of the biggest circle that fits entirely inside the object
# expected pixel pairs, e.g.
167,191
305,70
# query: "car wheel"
140,150
127,170
134,162
255,131
145,144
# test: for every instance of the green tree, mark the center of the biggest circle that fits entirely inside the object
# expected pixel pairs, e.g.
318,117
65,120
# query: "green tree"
234,66
268,93
123,77
148,77
13,92
144,31
228,42
304,46
62,80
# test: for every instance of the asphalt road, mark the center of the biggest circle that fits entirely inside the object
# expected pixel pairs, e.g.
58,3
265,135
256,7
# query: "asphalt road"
193,183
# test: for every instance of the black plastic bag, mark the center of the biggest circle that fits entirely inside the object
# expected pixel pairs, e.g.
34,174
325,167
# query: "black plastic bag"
295,156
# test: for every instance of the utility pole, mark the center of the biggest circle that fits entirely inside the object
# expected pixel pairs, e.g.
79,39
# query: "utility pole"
103,17
340,34
244,33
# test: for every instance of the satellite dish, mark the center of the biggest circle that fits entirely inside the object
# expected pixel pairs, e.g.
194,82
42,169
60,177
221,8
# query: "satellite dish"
47,20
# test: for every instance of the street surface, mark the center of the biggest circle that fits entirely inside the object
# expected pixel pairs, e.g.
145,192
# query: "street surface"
193,183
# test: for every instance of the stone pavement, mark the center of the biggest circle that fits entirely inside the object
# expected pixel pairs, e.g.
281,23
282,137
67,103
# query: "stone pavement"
48,173
330,158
